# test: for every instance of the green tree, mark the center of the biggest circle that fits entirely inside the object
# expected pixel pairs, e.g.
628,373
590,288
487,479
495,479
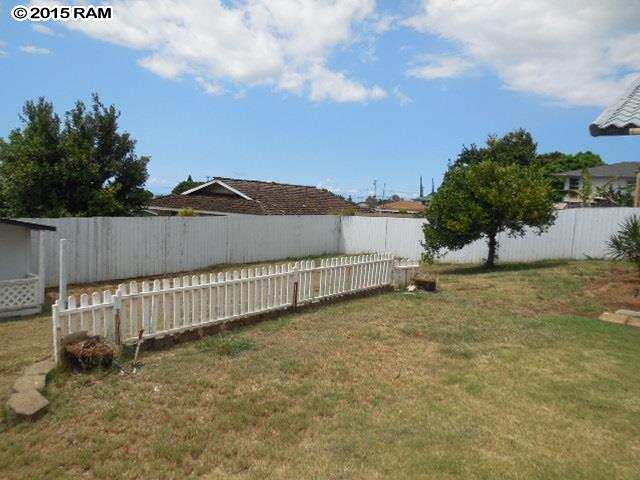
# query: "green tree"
82,167
556,162
516,147
185,185
491,194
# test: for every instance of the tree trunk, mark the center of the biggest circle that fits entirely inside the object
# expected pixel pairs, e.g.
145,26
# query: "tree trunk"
493,246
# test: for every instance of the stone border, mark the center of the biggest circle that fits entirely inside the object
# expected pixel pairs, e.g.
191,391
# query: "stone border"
27,402
629,318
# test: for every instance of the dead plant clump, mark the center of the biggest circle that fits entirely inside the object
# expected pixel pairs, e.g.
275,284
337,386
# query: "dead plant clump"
90,353
620,288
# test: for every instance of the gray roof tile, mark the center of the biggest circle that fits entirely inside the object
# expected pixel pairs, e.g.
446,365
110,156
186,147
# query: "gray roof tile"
623,114
621,170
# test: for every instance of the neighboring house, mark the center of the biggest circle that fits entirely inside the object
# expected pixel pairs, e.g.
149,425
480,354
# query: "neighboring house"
232,196
404,206
21,291
620,176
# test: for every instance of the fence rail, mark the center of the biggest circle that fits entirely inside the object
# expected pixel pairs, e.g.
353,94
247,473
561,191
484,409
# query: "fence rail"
172,305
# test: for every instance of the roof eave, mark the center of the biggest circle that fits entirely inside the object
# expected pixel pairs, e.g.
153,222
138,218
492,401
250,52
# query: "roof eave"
612,130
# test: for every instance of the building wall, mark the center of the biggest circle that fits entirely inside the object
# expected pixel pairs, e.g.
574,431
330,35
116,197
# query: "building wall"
620,183
14,253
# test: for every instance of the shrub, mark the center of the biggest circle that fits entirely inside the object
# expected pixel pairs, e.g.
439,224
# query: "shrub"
187,212
625,244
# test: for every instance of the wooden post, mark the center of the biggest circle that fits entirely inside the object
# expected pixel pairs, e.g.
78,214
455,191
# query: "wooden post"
117,305
636,197
55,322
62,279
41,272
295,280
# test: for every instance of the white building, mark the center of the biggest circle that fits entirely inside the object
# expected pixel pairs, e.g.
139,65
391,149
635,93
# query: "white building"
21,291
620,176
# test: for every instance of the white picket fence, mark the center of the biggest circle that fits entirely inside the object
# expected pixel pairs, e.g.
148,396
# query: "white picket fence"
172,305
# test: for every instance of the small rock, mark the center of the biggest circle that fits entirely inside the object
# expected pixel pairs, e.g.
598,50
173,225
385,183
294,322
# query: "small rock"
40,368
633,322
614,318
29,382
28,405
411,288
628,313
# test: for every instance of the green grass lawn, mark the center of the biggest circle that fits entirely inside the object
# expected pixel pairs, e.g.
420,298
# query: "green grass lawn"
501,374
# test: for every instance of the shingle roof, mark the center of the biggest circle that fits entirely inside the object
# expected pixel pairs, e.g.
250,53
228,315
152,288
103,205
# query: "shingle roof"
29,225
266,198
622,170
621,116
402,205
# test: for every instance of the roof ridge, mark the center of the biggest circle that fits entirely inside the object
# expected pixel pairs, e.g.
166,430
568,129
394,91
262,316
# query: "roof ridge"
266,182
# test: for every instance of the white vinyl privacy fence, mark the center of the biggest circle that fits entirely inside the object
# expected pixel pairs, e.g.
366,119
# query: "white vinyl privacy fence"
106,248
577,234
170,306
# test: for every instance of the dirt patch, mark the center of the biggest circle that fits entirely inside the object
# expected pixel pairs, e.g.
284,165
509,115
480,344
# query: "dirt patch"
617,289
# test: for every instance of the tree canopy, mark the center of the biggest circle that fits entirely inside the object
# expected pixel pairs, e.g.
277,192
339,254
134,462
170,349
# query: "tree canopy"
80,167
488,190
556,162
185,185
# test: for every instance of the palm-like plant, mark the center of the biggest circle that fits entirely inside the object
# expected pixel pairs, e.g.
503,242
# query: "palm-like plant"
625,244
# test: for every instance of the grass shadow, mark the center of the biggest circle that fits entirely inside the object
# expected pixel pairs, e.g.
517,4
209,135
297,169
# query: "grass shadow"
503,267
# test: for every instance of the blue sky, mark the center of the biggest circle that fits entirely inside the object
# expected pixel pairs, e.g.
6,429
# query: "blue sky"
333,94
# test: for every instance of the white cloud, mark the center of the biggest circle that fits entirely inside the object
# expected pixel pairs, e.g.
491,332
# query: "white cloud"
3,52
329,85
161,182
208,87
580,52
384,24
40,28
402,97
284,44
33,50
439,66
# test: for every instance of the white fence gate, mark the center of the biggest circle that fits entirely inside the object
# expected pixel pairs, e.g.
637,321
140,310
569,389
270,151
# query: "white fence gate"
168,306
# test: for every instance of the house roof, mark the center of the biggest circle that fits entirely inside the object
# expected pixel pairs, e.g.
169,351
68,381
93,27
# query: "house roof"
622,169
30,225
254,197
622,117
402,205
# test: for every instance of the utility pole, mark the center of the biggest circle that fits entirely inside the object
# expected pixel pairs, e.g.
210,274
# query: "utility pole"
384,187
375,189
421,187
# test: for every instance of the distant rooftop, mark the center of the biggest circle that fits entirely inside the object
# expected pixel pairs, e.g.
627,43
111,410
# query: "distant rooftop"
622,170
622,117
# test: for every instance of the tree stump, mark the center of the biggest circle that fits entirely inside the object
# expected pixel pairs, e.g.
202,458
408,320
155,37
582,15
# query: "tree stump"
425,282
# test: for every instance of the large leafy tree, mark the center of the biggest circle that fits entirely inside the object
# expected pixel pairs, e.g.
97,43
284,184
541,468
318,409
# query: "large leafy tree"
82,166
556,162
487,191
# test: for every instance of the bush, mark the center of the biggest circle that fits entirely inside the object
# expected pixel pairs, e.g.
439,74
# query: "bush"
187,212
625,244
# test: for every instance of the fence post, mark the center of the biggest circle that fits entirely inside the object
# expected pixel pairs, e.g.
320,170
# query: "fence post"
294,278
41,272
55,325
117,306
62,272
